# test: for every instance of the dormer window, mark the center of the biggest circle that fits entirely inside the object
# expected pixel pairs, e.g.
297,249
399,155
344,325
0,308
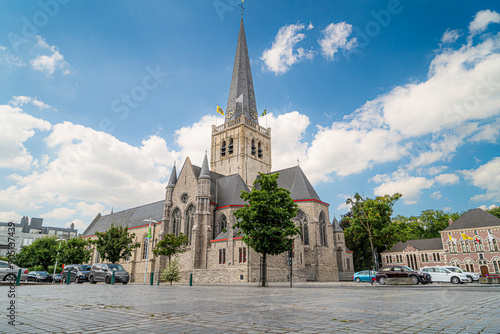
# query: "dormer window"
260,151
254,148
230,147
223,148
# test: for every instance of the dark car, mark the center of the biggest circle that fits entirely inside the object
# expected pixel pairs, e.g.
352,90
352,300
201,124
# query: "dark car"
395,272
79,273
103,272
57,278
39,276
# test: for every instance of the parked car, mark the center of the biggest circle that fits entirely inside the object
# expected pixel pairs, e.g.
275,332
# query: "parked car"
402,272
470,276
9,272
39,276
364,276
440,274
102,272
79,273
57,278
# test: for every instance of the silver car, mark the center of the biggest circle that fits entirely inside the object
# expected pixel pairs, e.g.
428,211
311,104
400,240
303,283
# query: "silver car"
471,276
9,272
440,274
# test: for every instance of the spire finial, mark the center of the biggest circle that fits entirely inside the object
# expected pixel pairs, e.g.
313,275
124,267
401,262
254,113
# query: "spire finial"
242,8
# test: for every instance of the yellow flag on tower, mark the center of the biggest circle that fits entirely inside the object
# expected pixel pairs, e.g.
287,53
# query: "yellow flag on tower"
220,111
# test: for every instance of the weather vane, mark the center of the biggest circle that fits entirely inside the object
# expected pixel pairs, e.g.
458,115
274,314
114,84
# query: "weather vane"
242,8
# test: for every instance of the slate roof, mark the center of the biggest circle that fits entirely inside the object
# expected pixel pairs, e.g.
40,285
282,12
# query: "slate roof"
241,81
229,190
131,218
474,218
294,180
225,235
420,244
336,226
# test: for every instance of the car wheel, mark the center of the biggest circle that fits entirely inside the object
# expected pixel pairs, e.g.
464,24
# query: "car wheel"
415,280
382,280
455,280
37,280
469,279
124,283
108,280
91,280
358,279
77,280
9,277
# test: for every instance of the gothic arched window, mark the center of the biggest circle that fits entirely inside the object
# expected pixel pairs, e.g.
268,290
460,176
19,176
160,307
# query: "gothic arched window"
176,222
220,225
302,219
260,151
254,148
223,148
322,229
190,213
145,249
230,147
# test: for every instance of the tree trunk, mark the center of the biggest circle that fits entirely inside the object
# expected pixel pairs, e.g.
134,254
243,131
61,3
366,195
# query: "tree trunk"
264,270
372,249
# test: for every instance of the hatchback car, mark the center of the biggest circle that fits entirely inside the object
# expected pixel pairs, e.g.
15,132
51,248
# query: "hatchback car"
402,272
364,276
79,273
8,272
103,272
440,274
39,276
471,276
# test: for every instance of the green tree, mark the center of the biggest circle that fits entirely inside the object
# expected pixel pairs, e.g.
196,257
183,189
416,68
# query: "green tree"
115,244
42,252
266,220
495,211
171,245
75,251
372,216
172,273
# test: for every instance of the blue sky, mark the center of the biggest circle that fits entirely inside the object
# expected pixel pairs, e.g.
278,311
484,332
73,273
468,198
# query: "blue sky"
98,99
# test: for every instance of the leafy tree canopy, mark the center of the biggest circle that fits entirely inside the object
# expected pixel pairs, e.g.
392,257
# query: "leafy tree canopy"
266,220
115,244
42,252
171,245
495,211
75,251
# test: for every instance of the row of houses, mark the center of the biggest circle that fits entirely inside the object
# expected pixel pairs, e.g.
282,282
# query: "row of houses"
471,243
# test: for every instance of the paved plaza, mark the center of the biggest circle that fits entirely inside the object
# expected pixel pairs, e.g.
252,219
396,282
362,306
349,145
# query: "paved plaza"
306,308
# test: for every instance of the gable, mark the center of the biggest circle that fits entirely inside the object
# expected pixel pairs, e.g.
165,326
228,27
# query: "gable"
474,218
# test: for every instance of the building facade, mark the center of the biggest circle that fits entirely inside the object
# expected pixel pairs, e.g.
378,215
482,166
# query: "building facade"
28,231
200,202
471,243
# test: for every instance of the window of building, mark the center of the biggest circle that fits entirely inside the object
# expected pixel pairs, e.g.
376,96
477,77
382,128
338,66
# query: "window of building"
300,257
322,229
243,255
176,222
347,264
223,148
219,225
145,249
437,255
495,245
260,151
254,148
222,256
302,220
426,257
496,264
423,258
190,213
230,147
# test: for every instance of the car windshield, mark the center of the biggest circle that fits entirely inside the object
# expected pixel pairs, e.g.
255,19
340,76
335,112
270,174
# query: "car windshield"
457,270
405,268
85,267
116,267
43,273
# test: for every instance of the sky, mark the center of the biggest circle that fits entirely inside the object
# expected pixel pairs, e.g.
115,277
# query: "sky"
99,98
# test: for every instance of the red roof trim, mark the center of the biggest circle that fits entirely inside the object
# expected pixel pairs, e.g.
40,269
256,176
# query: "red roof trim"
349,251
230,206
217,240
310,200
130,228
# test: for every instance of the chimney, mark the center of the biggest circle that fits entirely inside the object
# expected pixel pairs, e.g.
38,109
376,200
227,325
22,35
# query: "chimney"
72,226
450,222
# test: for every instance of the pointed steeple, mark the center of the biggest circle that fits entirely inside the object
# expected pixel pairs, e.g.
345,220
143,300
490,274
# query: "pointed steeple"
205,171
241,94
173,178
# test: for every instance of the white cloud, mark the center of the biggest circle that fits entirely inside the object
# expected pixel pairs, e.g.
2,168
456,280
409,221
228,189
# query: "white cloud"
335,37
485,207
447,179
486,177
282,54
450,36
402,183
10,217
436,195
310,26
49,63
10,60
59,213
15,129
79,225
436,170
482,20
19,101
193,140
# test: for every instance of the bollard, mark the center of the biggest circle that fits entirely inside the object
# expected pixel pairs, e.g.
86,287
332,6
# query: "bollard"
18,278
152,278
68,277
158,281
113,277
191,279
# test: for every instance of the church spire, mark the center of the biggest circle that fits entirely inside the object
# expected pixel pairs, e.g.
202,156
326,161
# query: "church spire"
241,94
205,171
173,178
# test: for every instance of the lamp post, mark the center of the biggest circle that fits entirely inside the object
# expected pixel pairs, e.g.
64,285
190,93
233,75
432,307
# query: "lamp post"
148,237
57,255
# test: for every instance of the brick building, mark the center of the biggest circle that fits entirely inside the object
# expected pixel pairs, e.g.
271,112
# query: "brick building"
471,243
200,203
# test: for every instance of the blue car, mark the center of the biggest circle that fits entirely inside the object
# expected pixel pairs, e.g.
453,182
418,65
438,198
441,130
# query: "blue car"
364,276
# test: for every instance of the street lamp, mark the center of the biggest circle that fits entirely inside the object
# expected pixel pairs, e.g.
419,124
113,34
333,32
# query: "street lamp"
148,238
58,249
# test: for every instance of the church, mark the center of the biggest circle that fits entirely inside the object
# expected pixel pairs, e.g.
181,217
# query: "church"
200,202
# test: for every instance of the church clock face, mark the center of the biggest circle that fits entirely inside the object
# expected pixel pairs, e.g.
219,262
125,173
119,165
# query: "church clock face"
229,112
253,113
